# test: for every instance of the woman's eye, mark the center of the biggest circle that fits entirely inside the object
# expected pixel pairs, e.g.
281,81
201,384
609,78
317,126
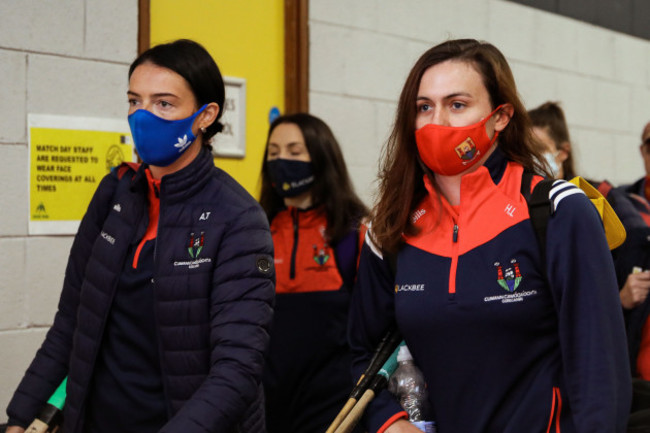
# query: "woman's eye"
132,102
424,107
457,105
165,104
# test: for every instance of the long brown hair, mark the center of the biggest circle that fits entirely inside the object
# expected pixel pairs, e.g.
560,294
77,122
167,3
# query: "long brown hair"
400,178
332,187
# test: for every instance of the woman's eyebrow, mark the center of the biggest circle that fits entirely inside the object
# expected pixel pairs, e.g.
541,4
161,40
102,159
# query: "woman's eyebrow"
457,94
164,95
449,96
156,95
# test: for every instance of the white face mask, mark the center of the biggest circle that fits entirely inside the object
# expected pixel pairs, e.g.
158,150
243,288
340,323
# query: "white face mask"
552,163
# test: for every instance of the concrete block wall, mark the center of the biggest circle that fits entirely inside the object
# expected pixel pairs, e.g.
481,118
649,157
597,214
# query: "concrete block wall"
66,57
71,57
361,52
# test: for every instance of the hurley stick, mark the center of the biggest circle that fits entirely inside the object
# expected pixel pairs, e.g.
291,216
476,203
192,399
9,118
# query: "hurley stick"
50,416
379,381
383,351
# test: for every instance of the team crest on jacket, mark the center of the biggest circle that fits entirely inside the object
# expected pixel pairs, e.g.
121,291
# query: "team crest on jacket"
195,245
509,278
466,150
320,255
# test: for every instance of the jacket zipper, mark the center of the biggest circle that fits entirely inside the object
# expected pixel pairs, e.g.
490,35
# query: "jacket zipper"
556,410
155,308
454,262
96,352
155,245
294,250
101,336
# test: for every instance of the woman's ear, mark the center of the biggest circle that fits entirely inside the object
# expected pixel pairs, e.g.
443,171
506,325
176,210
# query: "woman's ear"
564,150
503,116
208,115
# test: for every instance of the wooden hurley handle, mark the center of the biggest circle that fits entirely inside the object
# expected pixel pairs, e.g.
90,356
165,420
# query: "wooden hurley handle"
341,416
37,426
355,414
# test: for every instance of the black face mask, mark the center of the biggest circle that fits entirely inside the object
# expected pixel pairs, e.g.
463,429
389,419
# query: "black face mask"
289,177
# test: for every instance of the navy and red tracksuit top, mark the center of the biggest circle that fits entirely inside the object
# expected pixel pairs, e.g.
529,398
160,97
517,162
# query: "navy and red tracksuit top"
508,341
307,377
633,209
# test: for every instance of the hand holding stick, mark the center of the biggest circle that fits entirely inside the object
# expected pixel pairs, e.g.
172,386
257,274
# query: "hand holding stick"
50,416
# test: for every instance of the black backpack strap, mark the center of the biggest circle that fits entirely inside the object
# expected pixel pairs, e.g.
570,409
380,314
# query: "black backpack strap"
392,262
539,206
346,254
389,257
526,181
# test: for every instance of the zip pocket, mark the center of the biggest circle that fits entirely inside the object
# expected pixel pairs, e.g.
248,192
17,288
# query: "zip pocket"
556,410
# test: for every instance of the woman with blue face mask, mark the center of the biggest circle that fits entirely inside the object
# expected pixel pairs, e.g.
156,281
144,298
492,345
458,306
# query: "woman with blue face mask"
552,133
163,320
315,219
510,335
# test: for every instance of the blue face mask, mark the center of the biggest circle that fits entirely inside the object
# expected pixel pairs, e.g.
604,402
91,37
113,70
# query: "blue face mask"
552,163
290,177
158,141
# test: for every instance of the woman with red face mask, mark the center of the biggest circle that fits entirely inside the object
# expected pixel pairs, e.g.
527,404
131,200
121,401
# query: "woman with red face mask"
509,339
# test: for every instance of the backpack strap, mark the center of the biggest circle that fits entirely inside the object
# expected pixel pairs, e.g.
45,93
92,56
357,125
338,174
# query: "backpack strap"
392,262
604,188
390,258
539,206
126,166
346,254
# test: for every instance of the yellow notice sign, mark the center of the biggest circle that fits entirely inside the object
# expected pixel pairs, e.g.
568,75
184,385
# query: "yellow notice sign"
68,157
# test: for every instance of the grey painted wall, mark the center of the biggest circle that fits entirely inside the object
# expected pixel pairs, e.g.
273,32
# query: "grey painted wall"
67,57
625,16
361,52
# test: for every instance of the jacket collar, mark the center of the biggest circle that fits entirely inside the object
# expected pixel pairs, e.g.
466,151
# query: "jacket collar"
179,185
477,186
490,202
496,165
309,216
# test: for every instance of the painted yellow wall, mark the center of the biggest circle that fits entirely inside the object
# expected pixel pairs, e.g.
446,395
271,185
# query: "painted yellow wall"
246,38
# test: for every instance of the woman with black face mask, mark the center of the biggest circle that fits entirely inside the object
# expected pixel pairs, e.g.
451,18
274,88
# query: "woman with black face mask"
316,227
163,320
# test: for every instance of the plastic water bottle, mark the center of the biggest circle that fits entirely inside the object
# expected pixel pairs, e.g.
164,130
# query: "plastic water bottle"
408,384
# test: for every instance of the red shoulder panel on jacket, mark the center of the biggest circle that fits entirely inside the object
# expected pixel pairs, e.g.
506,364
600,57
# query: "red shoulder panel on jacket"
125,166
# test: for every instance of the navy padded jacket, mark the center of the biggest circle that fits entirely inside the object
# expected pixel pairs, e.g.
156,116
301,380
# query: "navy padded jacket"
213,304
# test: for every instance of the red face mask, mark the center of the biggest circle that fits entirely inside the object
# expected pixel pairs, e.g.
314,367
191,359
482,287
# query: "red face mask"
450,150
